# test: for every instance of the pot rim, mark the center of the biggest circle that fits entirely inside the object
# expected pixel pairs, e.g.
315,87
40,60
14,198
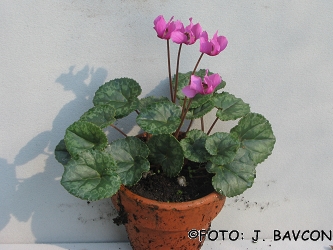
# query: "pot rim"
214,196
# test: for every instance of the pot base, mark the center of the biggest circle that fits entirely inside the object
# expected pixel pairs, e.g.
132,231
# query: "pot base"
152,224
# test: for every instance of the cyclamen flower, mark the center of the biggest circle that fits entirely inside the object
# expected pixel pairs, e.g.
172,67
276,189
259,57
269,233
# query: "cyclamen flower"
214,46
194,88
165,29
211,82
187,35
197,86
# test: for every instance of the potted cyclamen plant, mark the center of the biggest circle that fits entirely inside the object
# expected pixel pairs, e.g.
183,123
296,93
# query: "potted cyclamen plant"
221,164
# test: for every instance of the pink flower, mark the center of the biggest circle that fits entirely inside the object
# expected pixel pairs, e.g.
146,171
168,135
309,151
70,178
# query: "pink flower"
165,29
211,82
194,88
214,46
197,86
187,35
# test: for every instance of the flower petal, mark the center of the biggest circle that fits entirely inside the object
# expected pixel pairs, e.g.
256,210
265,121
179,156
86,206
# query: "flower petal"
187,91
205,45
204,36
196,29
211,81
216,80
178,37
160,26
196,84
222,40
209,90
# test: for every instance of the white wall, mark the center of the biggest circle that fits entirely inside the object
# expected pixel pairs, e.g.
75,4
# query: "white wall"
55,54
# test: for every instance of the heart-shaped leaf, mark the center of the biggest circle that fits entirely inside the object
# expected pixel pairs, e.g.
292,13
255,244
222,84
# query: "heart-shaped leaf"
230,107
160,118
101,115
92,176
256,136
222,147
61,153
234,178
165,150
194,146
130,155
145,102
200,111
121,94
198,100
82,136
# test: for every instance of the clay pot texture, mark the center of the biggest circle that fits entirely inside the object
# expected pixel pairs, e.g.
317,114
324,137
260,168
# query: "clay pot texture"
153,224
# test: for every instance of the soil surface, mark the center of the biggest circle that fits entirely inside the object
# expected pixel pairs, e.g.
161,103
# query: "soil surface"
157,186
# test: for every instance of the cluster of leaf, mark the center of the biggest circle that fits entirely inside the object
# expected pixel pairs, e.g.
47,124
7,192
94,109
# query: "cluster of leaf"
95,169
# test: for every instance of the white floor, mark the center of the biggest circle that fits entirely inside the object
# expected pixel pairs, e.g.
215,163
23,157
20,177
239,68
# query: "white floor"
229,245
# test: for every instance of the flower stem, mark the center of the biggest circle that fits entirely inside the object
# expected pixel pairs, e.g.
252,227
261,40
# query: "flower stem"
121,132
169,68
177,70
196,66
189,126
202,124
183,115
211,127
183,108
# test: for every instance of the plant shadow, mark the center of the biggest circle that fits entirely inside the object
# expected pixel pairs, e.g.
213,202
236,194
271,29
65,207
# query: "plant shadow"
39,199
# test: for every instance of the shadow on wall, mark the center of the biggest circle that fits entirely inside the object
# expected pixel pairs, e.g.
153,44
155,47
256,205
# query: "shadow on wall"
31,200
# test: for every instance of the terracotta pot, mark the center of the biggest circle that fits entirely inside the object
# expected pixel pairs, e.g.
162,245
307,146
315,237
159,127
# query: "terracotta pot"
161,225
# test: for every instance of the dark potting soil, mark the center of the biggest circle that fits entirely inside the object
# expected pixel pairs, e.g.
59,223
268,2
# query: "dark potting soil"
157,186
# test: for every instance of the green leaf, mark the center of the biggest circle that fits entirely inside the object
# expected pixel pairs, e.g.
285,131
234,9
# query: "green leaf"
61,153
234,178
92,176
198,100
82,136
222,147
200,111
121,94
165,150
130,155
194,146
145,102
101,115
256,136
160,118
230,107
